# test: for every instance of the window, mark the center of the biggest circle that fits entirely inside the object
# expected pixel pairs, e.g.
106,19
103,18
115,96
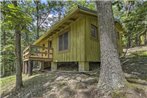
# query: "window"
50,44
43,46
63,41
94,31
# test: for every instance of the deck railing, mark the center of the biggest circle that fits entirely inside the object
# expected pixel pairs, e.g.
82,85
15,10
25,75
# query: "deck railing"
33,52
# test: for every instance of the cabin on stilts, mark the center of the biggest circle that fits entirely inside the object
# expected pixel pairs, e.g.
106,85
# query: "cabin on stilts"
73,39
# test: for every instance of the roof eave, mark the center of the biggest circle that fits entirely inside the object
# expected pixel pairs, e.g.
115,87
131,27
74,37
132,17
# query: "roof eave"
56,25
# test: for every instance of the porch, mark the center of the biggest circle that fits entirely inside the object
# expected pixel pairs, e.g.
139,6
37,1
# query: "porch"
38,54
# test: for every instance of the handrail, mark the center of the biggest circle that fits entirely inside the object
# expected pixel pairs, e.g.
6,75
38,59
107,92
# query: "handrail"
26,48
39,46
44,54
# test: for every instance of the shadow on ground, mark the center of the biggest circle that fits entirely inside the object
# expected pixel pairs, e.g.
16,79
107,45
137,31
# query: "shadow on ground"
33,86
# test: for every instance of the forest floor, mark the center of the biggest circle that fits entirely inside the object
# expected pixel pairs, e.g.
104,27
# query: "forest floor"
80,84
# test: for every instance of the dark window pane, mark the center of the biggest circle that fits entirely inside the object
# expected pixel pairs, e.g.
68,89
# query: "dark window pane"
60,42
65,41
93,31
50,44
43,46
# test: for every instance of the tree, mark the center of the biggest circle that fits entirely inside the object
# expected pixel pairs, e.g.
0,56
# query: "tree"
111,74
132,15
15,21
19,83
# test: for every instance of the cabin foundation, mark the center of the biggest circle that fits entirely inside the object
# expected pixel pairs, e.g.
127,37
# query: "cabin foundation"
83,66
53,66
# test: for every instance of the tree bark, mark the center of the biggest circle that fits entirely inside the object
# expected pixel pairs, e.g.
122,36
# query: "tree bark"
146,38
18,59
137,40
129,41
19,83
4,54
111,74
37,9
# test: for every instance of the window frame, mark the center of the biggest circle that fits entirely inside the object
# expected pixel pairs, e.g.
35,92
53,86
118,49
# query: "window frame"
63,41
95,36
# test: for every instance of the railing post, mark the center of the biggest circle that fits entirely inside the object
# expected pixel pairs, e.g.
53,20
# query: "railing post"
30,50
48,52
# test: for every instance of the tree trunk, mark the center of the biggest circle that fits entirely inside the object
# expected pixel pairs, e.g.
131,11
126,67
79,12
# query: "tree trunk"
137,40
129,41
37,9
4,54
18,55
18,59
146,38
111,74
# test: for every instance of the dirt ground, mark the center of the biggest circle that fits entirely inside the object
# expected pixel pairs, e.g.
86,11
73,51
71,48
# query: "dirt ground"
74,84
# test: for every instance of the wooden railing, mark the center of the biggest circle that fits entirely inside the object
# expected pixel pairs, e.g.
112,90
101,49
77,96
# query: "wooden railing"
33,52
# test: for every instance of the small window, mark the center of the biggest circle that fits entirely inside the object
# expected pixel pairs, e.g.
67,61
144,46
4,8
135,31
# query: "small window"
43,46
94,31
63,41
60,42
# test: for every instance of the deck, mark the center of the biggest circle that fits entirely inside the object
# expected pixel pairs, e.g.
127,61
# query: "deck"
37,53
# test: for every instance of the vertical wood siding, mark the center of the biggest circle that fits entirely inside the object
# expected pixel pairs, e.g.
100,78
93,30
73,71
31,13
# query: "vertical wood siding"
92,44
76,49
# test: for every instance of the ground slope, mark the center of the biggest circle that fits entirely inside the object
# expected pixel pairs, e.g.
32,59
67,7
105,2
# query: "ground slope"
80,85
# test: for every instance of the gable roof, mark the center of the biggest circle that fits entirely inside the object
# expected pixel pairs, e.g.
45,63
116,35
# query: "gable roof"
70,17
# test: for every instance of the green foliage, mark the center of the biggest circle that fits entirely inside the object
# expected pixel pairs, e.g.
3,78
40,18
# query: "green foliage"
12,18
133,15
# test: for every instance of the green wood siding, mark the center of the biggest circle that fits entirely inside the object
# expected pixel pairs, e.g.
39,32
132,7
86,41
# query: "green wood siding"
92,44
76,49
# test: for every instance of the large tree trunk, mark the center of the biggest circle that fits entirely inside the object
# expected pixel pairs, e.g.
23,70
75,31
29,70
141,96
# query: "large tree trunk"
18,55
111,74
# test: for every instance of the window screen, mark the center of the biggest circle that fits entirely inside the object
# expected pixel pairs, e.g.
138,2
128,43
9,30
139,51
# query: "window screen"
60,42
93,31
63,41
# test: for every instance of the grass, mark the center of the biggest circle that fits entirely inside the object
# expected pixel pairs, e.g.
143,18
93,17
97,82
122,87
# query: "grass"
139,54
7,80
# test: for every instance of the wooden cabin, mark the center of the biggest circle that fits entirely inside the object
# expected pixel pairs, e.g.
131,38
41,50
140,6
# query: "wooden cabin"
73,39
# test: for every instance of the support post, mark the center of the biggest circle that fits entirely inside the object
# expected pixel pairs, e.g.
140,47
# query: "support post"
53,66
41,64
25,67
30,68
83,66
